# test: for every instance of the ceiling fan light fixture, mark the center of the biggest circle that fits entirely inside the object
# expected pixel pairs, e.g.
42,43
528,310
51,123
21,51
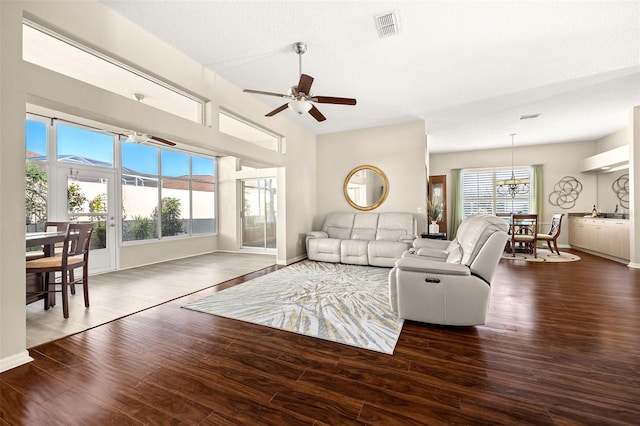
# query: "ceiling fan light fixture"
300,107
137,138
300,96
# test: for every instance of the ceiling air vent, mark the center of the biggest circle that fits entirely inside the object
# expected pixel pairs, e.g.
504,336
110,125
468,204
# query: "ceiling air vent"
387,24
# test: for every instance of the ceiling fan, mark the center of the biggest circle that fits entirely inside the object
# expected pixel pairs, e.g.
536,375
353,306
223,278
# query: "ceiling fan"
138,137
300,96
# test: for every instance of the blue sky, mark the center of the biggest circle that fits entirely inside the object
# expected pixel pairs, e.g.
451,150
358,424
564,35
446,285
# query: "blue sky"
99,146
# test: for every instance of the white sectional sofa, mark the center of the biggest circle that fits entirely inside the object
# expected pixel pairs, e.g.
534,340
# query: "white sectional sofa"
376,239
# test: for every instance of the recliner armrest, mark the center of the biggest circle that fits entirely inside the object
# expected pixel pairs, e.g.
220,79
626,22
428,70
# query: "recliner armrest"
419,243
433,253
413,263
317,234
408,239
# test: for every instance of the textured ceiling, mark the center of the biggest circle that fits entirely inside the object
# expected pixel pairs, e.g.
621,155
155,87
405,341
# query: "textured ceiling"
470,69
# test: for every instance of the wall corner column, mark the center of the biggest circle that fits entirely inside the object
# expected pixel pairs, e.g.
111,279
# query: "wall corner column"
13,324
634,187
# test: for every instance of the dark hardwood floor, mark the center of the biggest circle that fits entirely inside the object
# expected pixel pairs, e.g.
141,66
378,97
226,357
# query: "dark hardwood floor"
562,346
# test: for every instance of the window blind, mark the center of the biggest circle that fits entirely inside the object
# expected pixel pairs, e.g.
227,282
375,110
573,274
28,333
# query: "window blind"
479,191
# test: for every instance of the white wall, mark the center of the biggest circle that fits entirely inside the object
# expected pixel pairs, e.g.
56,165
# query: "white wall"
398,150
93,24
614,140
558,160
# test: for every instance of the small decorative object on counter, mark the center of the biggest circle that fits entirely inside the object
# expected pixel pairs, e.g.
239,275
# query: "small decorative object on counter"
594,212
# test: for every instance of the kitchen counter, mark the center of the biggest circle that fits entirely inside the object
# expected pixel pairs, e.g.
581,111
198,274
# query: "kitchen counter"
608,216
602,236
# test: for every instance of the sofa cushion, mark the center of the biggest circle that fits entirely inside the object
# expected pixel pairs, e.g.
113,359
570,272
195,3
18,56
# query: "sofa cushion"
354,252
324,249
385,253
339,225
394,226
364,226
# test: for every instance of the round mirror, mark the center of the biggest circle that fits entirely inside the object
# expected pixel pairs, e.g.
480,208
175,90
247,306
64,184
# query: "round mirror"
366,187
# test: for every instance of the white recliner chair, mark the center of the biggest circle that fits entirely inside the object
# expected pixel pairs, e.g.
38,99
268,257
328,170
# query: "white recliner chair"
450,283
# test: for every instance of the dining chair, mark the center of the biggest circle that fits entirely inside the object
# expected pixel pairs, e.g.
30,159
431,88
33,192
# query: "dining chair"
507,218
75,254
554,232
524,231
48,227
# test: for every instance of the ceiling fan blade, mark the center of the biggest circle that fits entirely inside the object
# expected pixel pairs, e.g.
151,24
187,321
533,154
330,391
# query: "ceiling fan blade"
161,140
260,92
304,85
277,110
332,100
315,112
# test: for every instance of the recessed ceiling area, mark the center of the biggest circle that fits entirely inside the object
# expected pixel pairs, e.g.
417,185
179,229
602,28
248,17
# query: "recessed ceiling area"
469,69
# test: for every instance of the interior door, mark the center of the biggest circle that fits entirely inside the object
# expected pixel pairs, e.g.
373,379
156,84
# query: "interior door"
90,198
259,213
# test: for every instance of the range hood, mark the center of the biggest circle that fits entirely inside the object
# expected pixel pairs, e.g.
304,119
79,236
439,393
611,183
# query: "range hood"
608,161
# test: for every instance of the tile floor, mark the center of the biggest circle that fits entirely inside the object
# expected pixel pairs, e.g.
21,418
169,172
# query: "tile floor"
117,294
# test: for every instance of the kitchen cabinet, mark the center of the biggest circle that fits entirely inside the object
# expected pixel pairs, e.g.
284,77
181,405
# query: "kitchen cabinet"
578,232
606,236
621,240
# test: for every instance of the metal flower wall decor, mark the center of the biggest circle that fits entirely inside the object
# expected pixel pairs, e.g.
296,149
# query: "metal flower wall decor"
566,193
621,188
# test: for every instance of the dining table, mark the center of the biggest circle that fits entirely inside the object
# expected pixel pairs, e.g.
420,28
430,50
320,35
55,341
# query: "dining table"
48,240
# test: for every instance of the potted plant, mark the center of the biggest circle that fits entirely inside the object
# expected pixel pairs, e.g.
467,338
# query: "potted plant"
434,212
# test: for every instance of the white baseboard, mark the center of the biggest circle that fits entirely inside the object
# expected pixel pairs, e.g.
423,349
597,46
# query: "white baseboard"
14,361
294,260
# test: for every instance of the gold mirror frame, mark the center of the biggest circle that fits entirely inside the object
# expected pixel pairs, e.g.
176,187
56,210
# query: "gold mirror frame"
385,190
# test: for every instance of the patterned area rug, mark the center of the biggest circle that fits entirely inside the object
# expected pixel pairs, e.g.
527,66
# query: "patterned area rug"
342,303
544,255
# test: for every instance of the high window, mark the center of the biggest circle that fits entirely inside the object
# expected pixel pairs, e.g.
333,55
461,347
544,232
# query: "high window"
480,195
48,49
250,132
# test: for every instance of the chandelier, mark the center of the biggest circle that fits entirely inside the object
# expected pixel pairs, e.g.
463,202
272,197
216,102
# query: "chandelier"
513,187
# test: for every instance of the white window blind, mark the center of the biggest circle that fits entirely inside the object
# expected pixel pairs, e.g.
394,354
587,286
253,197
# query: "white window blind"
479,191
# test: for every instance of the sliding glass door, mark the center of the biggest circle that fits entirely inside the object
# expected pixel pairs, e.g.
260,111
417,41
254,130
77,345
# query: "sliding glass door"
259,213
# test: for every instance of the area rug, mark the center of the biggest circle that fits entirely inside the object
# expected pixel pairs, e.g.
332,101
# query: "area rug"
342,303
544,255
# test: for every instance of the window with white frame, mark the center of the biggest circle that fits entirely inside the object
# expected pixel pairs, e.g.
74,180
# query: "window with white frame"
165,192
48,49
182,185
241,128
480,194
